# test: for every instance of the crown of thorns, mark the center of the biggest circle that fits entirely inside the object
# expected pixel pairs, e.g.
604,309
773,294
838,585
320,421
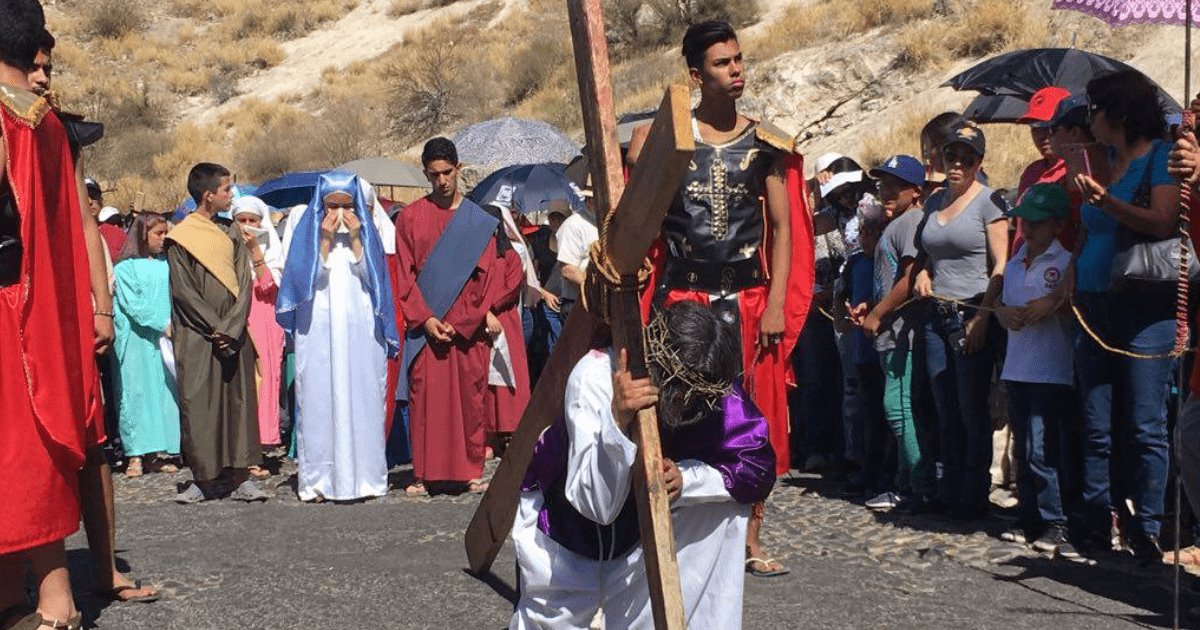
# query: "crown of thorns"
663,354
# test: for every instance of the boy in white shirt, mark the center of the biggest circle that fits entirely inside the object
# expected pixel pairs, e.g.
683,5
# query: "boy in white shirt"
1038,370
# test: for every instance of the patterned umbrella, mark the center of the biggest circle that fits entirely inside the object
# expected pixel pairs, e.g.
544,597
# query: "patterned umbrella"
1125,12
528,188
494,144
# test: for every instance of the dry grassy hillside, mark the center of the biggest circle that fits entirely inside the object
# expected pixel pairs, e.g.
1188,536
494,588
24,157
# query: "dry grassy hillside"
272,87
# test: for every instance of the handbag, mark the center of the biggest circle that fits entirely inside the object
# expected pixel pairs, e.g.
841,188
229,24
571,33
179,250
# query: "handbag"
1142,260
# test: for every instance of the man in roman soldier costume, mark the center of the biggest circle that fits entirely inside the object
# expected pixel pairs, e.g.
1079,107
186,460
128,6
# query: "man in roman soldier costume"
738,237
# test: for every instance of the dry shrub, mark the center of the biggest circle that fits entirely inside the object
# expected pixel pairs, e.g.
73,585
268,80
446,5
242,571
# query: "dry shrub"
902,136
1009,151
864,15
636,26
272,138
921,46
987,27
821,21
108,19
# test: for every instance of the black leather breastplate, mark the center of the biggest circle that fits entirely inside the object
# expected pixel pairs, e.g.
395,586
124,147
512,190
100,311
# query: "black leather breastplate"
716,223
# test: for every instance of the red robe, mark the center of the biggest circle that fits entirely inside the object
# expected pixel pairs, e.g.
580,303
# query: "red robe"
447,416
506,405
48,381
393,364
769,372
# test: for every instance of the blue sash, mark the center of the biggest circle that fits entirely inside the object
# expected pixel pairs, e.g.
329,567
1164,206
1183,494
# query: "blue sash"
445,273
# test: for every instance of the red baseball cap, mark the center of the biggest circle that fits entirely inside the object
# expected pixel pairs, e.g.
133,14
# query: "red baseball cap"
1042,104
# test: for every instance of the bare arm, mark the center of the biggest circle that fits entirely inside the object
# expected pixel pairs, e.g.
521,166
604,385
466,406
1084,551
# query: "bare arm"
97,267
997,241
899,294
573,274
779,216
635,144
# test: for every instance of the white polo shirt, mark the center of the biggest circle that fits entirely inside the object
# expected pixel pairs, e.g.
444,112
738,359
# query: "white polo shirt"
575,237
1040,353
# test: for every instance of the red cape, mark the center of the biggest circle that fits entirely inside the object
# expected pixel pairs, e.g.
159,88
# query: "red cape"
55,304
768,372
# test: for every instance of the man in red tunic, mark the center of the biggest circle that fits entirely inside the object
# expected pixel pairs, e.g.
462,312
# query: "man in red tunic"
738,237
447,267
48,385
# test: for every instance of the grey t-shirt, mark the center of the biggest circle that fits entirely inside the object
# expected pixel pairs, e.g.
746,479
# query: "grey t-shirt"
899,241
958,251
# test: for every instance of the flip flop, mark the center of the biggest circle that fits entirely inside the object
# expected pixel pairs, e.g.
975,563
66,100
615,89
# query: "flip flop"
114,595
417,489
476,486
767,563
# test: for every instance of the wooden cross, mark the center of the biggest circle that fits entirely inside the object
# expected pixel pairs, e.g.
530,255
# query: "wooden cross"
637,212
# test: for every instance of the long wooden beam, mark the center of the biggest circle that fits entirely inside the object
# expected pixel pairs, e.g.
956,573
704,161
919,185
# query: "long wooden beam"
596,99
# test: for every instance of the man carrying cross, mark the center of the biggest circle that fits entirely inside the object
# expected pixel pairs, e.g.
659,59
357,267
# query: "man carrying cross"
576,530
718,249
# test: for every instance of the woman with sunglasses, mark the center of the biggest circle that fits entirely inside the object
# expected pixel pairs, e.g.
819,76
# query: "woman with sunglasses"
964,239
1125,116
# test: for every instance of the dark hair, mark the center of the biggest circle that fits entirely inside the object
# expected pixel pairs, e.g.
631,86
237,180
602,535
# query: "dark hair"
22,23
843,165
439,149
941,128
1129,100
47,42
135,244
502,242
709,347
702,36
205,177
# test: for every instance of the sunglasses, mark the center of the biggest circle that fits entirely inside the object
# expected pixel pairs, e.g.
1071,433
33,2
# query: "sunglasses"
966,159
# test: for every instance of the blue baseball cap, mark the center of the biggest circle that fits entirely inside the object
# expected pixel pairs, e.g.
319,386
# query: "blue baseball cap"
904,167
1072,110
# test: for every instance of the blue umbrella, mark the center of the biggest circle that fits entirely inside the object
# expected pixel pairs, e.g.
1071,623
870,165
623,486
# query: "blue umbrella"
290,189
528,188
189,204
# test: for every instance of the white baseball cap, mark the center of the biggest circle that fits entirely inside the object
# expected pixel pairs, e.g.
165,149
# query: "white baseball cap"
106,213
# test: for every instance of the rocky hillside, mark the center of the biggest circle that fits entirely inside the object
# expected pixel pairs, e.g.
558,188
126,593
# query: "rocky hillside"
271,87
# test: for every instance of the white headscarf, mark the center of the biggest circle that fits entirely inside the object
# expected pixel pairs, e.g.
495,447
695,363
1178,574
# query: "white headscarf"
533,288
273,253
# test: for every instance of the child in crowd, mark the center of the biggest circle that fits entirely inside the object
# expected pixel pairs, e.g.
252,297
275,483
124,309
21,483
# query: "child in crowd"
891,321
1038,369
861,363
145,386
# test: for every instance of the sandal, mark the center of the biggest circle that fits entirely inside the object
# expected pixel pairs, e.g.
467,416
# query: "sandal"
768,572
134,467
416,489
1188,556
27,618
116,594
258,472
74,623
476,486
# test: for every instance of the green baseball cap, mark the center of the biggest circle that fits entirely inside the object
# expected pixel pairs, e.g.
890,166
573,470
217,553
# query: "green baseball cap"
1041,202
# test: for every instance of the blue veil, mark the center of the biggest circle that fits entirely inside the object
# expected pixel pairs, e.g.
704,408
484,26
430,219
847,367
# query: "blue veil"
299,280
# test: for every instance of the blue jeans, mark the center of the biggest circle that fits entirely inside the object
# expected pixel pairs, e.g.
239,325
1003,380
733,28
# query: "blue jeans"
1037,414
1124,407
542,328
961,383
816,402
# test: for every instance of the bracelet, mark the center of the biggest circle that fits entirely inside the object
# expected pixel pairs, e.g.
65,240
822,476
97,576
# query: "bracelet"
107,314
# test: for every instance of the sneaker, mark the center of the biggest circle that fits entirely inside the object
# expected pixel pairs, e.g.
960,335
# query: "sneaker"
1145,548
815,463
1055,541
917,504
884,501
1014,535
249,492
193,494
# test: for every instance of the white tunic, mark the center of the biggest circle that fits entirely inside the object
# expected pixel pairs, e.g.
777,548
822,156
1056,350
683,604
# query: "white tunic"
341,378
561,589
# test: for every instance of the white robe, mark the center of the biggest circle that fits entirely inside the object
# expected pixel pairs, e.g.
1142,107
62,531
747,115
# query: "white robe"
341,378
561,589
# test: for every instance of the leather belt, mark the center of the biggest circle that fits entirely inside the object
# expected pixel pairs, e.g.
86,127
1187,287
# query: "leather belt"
712,276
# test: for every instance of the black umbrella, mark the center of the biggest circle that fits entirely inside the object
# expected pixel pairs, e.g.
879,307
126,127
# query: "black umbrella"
1022,72
528,188
996,108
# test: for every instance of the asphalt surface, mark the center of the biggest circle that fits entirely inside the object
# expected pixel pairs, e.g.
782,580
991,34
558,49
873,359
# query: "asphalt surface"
398,562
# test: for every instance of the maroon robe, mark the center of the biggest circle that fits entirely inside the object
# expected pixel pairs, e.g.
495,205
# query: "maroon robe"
505,405
447,382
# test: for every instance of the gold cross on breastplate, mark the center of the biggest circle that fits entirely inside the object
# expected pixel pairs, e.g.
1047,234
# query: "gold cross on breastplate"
718,193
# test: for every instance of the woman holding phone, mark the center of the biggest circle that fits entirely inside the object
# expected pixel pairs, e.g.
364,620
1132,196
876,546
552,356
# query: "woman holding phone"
1125,116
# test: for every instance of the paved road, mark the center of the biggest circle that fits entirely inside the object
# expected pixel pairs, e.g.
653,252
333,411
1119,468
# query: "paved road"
398,562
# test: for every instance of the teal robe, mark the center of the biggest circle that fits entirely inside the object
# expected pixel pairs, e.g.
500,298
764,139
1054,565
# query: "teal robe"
146,391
